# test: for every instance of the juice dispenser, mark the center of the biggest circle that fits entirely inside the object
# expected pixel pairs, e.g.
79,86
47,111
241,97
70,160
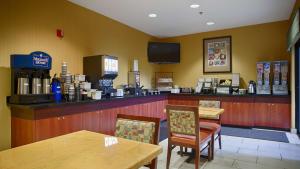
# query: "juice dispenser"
263,78
280,72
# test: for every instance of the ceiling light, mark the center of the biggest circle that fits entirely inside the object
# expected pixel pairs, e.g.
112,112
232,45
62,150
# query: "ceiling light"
194,6
152,15
210,23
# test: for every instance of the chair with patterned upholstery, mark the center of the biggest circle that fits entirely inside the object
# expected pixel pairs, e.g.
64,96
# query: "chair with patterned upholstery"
211,123
184,131
139,128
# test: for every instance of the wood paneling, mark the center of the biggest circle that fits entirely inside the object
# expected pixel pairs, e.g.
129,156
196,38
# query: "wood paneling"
22,131
274,113
228,116
71,123
242,111
56,126
47,128
246,111
91,121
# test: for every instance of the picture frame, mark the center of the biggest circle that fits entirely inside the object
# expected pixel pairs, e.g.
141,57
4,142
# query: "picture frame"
217,53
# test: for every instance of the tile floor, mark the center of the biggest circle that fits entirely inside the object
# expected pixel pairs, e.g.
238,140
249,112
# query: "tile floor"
241,153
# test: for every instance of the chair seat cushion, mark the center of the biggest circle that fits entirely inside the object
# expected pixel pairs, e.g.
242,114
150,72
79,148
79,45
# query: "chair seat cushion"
216,128
141,131
190,140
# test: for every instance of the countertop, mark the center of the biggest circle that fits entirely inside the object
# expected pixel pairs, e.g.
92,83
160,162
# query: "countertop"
89,101
80,150
132,99
229,95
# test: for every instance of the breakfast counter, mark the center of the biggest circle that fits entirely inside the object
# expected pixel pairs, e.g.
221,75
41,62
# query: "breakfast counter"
31,123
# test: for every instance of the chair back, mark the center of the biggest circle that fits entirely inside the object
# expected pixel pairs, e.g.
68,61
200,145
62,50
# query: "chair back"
210,104
138,128
183,120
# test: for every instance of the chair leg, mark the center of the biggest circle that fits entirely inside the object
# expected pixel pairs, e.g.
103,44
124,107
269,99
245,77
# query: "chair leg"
181,151
153,164
220,143
169,155
185,149
197,158
212,147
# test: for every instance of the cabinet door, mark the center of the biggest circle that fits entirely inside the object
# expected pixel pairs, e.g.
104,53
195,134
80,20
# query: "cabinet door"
281,114
71,123
91,121
228,116
262,112
243,111
108,119
47,128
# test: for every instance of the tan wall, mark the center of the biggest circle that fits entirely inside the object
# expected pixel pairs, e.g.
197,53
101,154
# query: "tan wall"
31,25
4,110
250,44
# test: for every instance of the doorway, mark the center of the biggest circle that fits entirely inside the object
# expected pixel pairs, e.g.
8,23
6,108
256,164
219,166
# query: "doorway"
297,85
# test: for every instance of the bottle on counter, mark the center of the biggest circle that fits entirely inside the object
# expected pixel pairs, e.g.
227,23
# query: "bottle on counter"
56,89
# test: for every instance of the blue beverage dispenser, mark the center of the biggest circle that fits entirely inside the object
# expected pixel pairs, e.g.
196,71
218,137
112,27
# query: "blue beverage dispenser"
30,78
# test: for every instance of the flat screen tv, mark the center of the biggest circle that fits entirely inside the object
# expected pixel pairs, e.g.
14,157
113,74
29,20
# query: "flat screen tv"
163,53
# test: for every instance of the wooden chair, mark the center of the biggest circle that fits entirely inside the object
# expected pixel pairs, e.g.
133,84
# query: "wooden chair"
184,131
139,128
211,123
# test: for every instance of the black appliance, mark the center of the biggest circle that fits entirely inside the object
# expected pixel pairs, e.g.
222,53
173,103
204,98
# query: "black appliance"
26,74
101,70
163,52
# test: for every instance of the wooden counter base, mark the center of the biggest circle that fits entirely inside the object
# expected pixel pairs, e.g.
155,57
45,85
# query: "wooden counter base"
246,111
39,123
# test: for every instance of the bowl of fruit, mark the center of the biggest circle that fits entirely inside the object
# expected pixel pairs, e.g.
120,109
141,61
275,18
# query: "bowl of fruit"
225,83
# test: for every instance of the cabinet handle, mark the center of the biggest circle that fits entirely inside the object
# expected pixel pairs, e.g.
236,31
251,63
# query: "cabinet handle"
58,118
63,117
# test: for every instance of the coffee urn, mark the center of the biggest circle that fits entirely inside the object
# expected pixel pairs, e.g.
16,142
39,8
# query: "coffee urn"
46,84
36,84
23,84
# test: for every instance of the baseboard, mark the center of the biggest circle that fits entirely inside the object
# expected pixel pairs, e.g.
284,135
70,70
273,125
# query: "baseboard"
294,131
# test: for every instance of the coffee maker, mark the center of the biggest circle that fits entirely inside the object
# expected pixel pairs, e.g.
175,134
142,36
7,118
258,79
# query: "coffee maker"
134,84
30,78
101,70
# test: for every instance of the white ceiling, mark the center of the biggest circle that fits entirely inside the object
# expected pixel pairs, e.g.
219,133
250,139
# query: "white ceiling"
175,17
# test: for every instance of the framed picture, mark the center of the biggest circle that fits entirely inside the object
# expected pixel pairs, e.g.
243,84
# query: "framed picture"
217,55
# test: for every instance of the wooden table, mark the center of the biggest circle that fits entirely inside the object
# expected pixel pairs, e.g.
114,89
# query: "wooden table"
79,150
210,112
